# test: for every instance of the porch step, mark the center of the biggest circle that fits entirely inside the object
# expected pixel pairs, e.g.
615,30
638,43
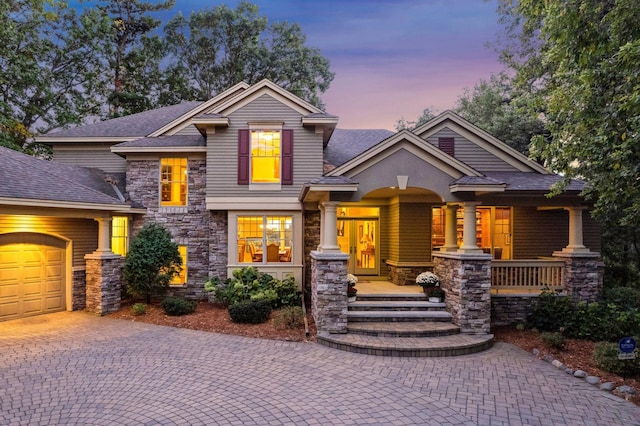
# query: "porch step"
397,316
403,329
453,345
387,305
392,297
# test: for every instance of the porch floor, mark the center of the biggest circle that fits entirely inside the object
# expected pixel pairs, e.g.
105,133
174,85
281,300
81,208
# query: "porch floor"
366,286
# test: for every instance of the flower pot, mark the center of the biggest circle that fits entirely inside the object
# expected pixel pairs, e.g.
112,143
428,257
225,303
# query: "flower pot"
435,299
351,299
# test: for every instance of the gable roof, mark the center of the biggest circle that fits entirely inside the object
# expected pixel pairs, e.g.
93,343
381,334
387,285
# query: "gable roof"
346,144
481,138
130,126
31,181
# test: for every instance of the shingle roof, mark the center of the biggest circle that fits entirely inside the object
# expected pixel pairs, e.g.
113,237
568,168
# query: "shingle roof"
141,124
165,141
26,177
521,181
346,144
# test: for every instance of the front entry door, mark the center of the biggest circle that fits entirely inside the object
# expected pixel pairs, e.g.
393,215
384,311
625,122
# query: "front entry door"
357,238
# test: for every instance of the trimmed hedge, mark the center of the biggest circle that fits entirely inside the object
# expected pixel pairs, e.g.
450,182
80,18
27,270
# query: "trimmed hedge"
250,311
177,306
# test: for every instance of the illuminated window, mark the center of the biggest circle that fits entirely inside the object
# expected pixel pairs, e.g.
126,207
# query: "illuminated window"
437,226
265,239
173,182
181,278
493,230
120,235
265,156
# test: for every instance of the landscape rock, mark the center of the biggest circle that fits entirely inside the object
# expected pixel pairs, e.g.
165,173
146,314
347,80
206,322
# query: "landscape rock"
608,386
581,374
593,380
627,389
557,364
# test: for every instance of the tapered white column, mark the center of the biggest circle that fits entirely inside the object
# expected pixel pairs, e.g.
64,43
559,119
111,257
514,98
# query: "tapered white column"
576,244
321,227
469,242
450,232
330,228
104,235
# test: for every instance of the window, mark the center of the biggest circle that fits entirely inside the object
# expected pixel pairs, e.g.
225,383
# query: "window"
265,239
265,156
437,226
181,278
120,235
173,182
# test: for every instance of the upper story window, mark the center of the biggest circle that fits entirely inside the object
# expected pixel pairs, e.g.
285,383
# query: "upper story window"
265,157
173,182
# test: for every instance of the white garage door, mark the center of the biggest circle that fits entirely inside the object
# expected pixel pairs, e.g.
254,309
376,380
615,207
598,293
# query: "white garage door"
32,275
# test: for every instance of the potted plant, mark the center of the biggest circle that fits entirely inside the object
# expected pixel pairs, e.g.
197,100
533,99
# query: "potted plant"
427,280
435,294
352,280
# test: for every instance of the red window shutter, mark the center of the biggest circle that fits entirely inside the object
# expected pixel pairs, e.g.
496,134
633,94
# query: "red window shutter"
287,157
447,145
244,148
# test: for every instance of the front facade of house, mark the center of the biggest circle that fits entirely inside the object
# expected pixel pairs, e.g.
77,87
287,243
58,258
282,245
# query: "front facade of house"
258,177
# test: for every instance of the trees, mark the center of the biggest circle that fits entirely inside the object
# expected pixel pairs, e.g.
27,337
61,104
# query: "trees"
427,114
492,107
152,262
216,48
579,63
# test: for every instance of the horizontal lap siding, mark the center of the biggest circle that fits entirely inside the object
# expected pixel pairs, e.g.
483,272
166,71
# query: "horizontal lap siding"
472,154
97,156
415,232
539,233
385,235
222,150
82,232
393,225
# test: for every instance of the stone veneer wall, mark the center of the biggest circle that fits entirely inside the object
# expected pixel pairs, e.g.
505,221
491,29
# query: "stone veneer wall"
104,283
190,225
582,275
405,275
79,289
329,291
218,244
311,242
511,309
466,280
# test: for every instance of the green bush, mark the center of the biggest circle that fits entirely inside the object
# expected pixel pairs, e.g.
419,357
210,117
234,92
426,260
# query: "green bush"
550,312
176,306
139,309
627,297
152,262
554,339
605,355
250,284
289,317
250,311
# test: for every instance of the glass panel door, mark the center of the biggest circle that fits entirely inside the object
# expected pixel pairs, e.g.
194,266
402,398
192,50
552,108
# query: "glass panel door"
358,237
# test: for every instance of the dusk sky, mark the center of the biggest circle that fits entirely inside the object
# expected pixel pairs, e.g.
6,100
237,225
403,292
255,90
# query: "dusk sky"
391,58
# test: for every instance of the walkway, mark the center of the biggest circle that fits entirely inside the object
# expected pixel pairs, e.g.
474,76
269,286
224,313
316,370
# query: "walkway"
75,368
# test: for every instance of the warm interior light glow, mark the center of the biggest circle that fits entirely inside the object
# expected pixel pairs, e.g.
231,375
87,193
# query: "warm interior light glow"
265,156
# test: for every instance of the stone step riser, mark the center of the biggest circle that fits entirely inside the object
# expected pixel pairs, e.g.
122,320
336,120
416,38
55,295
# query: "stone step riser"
396,319
364,308
422,334
390,298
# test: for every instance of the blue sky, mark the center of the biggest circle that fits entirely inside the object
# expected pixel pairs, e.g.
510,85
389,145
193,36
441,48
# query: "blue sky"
392,58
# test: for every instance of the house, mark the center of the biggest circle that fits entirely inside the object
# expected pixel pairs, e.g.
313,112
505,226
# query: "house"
257,176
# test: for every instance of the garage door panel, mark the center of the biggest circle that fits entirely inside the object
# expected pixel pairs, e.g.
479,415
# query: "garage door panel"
32,275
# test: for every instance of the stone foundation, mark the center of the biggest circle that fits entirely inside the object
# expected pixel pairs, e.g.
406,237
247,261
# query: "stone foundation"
329,291
582,275
511,309
466,280
79,289
104,283
405,275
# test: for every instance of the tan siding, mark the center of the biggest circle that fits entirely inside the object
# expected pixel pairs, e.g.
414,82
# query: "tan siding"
393,225
414,231
82,232
591,233
97,155
189,130
222,150
385,234
471,154
539,233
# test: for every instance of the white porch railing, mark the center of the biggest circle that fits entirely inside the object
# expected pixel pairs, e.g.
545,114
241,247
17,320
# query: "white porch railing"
526,276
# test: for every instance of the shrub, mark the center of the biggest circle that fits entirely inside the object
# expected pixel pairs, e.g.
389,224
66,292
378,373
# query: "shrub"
627,297
554,340
289,317
250,284
176,306
551,312
139,309
152,262
250,311
606,357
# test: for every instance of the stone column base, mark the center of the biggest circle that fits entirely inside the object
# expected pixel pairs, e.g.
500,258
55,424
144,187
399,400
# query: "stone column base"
582,275
104,282
329,291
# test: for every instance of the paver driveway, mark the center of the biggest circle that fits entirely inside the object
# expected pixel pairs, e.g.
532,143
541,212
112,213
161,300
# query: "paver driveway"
75,368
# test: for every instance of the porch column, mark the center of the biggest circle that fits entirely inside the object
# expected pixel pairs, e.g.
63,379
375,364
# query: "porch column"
450,236
321,243
469,243
104,235
329,232
575,231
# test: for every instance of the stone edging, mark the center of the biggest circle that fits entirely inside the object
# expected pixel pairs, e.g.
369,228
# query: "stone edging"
593,380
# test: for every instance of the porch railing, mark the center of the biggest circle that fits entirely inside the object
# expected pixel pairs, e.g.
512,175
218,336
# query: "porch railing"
527,276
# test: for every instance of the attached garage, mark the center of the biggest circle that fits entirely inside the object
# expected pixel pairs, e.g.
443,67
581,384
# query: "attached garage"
32,275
